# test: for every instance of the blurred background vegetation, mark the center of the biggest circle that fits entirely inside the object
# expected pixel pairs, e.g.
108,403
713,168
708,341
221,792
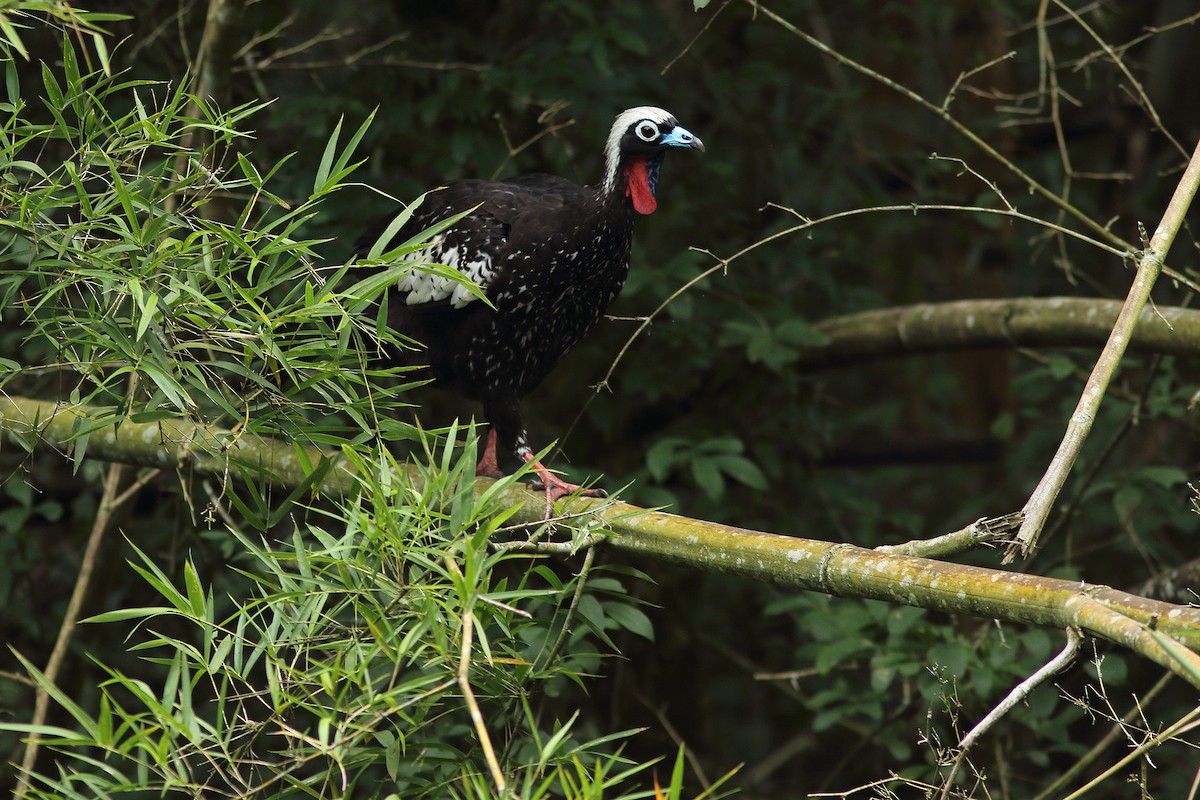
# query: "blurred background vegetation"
706,413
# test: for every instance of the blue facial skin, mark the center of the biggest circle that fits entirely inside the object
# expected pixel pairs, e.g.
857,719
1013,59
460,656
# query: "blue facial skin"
678,136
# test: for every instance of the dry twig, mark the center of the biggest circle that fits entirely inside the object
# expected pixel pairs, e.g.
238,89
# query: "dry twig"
1016,696
1150,262
464,685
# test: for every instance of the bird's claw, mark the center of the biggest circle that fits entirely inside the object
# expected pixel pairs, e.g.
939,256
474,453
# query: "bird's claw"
556,489
563,489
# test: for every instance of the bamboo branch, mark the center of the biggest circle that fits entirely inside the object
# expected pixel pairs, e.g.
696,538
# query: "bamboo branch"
981,532
811,564
976,324
464,684
1149,265
109,502
169,444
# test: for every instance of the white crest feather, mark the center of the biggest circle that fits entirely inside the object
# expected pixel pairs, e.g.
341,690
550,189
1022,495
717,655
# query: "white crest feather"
612,150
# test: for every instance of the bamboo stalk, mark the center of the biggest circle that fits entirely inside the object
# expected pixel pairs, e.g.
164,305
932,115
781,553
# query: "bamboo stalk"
800,563
1150,262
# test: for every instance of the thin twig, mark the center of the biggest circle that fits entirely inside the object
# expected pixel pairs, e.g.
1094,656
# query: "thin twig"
1076,769
711,19
1149,265
680,741
1149,32
565,631
66,630
546,118
135,487
1049,73
464,686
1142,97
1183,724
723,264
967,168
962,76
950,120
1016,696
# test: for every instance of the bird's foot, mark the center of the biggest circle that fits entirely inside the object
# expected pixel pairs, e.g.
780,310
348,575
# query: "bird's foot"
483,470
488,466
556,488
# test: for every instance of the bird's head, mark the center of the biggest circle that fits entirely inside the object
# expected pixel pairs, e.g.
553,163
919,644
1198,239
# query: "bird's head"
636,145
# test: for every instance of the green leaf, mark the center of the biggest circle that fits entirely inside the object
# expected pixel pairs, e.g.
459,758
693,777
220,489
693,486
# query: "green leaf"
1004,426
327,157
797,331
1126,501
195,591
631,619
1164,476
1060,367
153,415
723,444
146,316
743,470
11,35
954,656
661,457
550,749
708,477
84,719
1038,642
123,614
168,385
380,245
592,613
838,651
101,48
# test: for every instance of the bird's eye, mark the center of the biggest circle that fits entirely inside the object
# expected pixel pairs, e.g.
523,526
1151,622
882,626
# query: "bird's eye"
646,130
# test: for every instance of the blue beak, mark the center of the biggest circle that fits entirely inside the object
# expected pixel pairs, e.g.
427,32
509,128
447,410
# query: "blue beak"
682,137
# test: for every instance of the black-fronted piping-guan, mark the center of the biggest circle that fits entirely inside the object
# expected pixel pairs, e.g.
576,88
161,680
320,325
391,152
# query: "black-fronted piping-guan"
549,254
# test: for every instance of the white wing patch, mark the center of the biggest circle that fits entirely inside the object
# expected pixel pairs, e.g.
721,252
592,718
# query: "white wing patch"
423,286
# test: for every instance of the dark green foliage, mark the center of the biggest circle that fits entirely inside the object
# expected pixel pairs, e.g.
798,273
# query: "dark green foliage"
167,258
335,667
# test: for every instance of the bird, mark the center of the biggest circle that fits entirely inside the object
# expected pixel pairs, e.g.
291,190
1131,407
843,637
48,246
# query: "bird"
550,256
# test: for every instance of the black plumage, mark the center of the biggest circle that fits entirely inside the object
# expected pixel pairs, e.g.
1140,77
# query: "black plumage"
549,254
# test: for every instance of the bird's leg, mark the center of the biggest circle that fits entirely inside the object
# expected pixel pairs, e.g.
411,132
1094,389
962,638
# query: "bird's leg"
503,412
555,486
488,466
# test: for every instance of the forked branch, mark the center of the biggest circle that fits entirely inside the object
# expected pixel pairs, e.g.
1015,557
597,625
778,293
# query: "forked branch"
810,564
1150,262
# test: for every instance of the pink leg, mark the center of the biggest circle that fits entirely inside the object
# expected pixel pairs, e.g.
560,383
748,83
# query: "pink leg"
488,467
556,487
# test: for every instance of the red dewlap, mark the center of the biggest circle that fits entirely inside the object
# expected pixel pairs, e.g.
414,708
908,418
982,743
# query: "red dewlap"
637,186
